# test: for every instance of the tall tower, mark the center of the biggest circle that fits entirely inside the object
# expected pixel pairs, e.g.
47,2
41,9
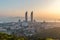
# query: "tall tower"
26,17
32,16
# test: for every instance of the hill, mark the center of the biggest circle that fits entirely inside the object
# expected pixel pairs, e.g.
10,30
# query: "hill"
50,33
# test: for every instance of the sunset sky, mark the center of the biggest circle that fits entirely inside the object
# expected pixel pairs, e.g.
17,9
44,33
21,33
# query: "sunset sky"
43,9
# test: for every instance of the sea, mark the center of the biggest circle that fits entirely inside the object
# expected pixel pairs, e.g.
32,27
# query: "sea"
15,19
10,19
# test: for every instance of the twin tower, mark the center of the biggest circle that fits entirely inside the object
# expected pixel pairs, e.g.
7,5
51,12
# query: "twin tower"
26,16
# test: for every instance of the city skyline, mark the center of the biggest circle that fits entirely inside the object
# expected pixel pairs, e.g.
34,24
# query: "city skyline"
42,9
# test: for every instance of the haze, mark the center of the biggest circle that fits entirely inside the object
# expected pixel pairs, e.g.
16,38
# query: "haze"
43,9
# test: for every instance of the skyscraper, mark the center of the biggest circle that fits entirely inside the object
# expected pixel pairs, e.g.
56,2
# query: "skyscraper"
32,16
26,17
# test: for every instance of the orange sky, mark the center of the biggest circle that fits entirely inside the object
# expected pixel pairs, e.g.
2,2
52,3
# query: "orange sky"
43,9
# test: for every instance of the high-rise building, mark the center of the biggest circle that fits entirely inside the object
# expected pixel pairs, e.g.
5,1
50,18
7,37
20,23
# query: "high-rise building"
26,16
32,16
